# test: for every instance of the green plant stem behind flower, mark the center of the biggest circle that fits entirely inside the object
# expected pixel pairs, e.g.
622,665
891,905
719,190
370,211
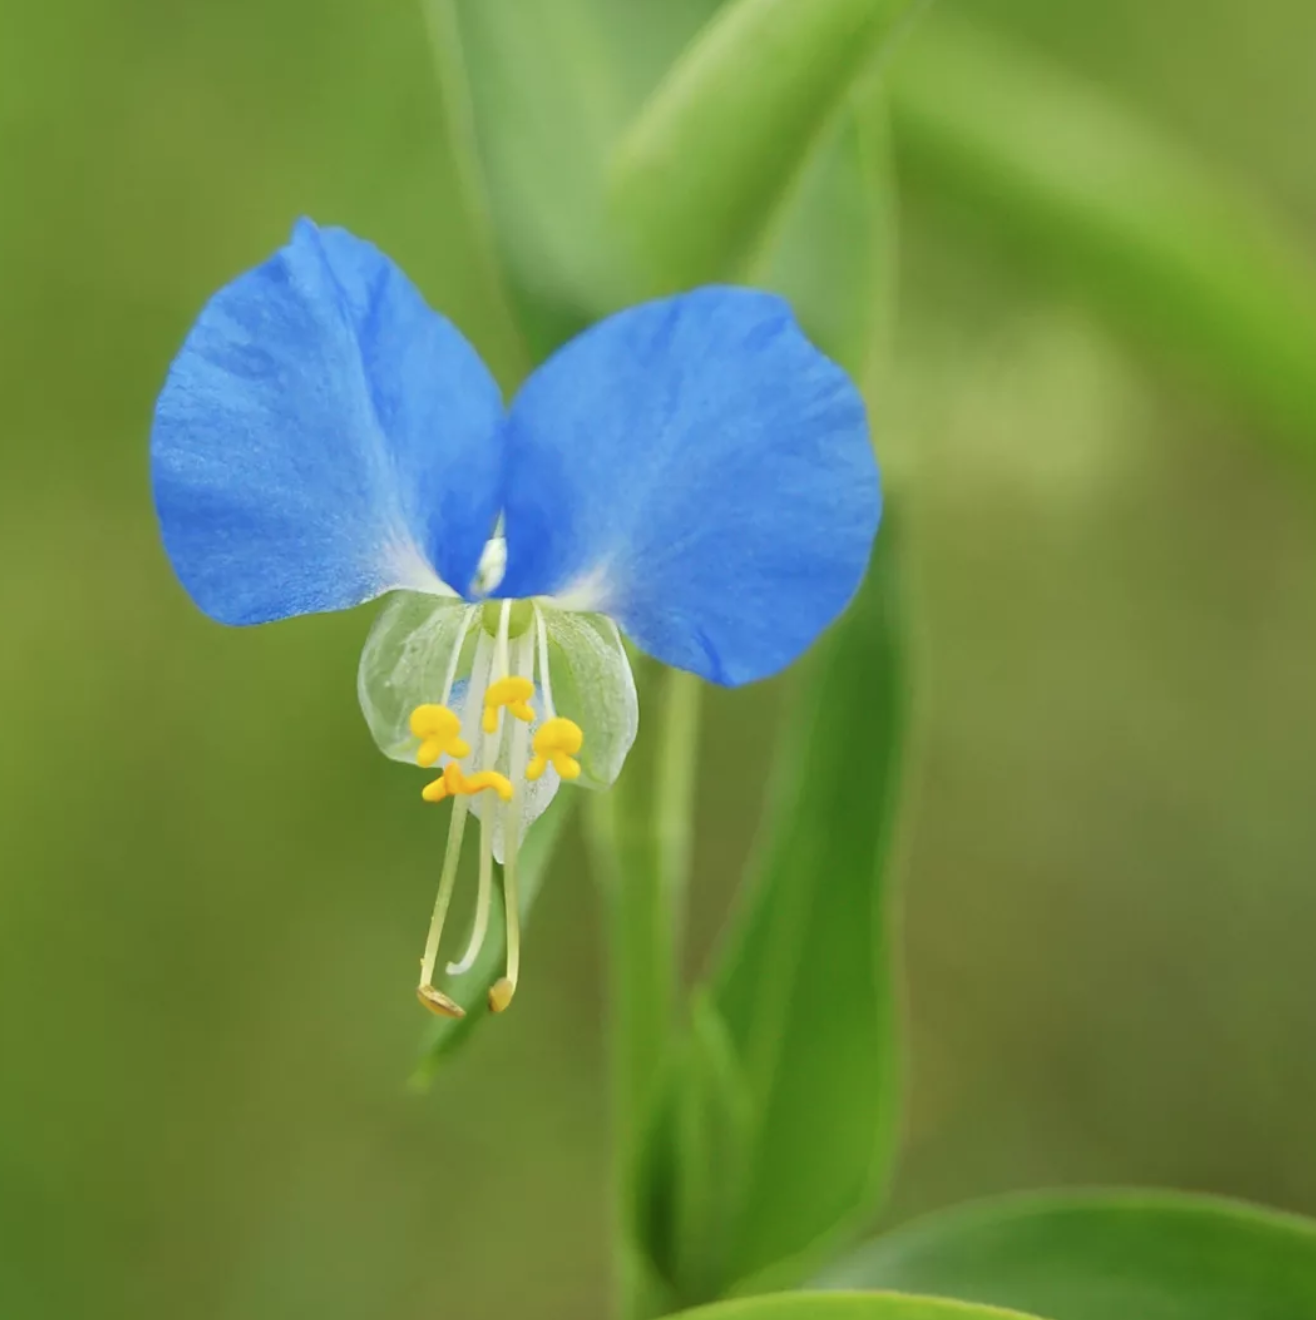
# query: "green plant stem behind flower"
640,838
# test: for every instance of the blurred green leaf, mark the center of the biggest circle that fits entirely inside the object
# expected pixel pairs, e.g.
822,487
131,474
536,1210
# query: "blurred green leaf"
693,1166
556,85
857,1306
833,251
1103,1256
550,95
713,157
501,340
448,1034
1070,175
806,984
778,1126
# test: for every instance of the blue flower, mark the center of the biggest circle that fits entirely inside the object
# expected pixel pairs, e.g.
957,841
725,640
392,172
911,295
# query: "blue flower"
690,472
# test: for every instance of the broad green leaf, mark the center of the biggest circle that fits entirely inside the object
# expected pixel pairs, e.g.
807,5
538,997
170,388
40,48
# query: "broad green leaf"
1103,1256
1148,231
856,1306
792,1059
472,991
713,156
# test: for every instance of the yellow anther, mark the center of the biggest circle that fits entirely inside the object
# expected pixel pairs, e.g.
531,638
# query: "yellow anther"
439,731
489,779
515,694
557,743
438,1003
500,994
449,782
454,780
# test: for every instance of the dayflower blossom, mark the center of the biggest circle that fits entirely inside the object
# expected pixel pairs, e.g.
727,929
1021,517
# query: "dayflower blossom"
691,473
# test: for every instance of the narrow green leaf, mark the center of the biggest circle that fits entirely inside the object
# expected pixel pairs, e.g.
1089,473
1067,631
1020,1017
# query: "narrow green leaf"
791,1058
550,94
855,1306
1148,232
806,983
500,340
693,1164
714,155
1103,1256
448,1034
832,252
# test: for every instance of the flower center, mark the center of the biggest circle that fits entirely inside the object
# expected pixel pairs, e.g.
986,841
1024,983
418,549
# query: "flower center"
509,671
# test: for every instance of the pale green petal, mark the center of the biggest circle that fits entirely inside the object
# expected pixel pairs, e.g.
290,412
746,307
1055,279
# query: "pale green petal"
593,685
406,661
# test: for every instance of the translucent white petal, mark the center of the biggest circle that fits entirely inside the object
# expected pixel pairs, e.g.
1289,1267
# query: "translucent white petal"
406,662
423,648
593,685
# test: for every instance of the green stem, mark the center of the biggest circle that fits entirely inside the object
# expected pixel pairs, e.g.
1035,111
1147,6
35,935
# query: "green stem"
640,834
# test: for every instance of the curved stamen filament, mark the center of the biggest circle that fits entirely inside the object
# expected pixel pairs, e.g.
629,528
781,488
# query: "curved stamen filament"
435,1000
425,991
501,992
545,680
490,744
483,902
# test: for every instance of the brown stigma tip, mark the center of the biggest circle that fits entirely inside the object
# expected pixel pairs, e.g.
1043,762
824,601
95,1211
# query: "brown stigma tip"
438,1003
500,994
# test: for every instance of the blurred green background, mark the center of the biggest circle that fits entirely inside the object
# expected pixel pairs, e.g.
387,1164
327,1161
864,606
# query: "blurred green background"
213,889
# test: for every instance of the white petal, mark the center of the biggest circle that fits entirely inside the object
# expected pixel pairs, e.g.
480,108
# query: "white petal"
593,685
406,662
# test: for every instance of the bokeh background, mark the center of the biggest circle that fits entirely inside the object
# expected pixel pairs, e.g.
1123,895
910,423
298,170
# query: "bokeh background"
213,889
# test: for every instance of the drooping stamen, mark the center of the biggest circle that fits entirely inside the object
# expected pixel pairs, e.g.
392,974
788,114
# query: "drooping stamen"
483,901
435,1000
501,992
489,747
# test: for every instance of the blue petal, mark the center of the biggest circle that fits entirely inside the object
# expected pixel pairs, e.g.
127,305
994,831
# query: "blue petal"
323,436
695,468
